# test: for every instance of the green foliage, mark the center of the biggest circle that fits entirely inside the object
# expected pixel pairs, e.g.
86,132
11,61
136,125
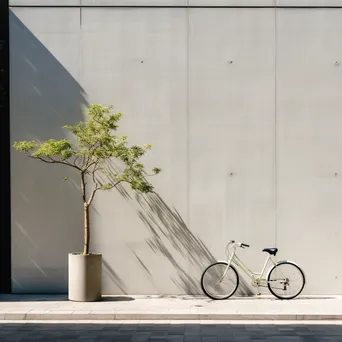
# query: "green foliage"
94,147
25,146
107,186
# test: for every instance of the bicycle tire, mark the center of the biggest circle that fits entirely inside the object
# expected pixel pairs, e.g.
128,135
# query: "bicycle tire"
211,295
277,266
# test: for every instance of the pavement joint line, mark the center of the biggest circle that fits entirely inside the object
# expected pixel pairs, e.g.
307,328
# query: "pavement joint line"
172,322
124,316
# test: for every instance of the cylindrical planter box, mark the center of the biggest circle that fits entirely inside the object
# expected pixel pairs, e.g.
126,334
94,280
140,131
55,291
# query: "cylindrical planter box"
85,277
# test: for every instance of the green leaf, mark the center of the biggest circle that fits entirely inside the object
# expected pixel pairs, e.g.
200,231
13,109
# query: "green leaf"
25,146
107,186
156,170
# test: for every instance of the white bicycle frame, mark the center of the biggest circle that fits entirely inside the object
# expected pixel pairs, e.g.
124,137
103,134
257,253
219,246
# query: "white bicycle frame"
257,278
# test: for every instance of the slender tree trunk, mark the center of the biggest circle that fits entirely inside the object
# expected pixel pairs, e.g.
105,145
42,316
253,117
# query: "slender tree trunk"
86,229
86,217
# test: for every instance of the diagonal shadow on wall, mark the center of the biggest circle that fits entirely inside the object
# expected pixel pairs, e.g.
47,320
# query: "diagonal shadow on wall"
166,224
44,97
114,277
170,238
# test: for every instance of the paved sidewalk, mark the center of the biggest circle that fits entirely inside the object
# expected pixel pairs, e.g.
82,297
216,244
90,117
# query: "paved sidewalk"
57,307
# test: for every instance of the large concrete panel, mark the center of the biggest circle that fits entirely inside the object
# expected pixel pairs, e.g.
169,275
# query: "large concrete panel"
309,185
313,3
204,3
178,2
44,2
137,3
140,66
45,95
231,130
227,3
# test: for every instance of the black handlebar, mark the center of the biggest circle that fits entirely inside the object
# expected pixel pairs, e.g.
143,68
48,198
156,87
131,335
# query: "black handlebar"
242,244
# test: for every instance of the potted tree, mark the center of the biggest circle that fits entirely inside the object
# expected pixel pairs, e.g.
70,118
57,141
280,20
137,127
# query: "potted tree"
90,154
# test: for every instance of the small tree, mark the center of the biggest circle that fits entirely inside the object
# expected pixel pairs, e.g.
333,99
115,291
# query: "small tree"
90,155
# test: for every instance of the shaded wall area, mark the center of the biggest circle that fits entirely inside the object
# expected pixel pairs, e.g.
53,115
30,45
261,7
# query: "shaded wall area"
46,212
5,209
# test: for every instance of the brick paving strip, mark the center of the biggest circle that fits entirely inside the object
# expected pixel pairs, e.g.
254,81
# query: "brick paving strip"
121,308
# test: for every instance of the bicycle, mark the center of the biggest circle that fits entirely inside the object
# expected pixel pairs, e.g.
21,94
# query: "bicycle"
222,275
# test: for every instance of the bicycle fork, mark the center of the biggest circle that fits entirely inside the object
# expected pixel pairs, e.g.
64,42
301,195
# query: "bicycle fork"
225,272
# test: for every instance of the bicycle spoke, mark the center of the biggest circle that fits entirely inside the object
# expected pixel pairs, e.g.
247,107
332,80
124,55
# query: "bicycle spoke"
219,281
286,281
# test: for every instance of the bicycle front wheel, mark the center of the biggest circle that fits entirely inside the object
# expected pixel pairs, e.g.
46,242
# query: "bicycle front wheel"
219,281
286,280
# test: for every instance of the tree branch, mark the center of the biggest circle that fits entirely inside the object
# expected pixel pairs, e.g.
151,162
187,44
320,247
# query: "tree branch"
94,169
94,180
92,163
83,188
117,183
89,157
52,161
75,159
93,194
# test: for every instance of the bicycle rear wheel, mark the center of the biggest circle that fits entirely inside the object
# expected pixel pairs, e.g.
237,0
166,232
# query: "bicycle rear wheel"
286,280
219,281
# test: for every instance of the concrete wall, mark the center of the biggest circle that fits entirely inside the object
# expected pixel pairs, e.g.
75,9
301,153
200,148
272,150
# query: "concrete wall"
174,3
242,107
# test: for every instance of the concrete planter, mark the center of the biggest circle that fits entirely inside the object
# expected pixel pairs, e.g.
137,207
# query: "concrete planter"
85,277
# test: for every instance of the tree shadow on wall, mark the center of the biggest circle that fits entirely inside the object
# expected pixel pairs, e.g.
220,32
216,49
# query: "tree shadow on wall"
113,276
171,238
44,97
168,229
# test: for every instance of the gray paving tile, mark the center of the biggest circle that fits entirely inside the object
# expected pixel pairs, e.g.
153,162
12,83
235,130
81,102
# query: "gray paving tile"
174,338
192,338
209,338
140,338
